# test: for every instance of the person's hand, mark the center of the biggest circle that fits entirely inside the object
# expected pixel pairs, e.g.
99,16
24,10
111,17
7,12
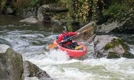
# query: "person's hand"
78,33
62,41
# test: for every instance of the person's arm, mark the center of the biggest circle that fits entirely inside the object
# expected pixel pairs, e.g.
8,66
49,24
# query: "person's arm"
73,33
60,39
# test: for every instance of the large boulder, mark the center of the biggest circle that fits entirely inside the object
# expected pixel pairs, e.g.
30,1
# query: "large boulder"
11,64
31,70
87,33
111,47
124,24
107,27
52,14
30,20
39,12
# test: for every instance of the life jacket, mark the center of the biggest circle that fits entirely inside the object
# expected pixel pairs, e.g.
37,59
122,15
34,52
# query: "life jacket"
65,37
57,37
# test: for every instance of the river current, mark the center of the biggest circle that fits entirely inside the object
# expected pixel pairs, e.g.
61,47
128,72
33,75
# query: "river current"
31,41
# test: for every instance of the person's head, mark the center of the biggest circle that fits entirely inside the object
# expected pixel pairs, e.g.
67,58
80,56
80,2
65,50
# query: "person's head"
64,30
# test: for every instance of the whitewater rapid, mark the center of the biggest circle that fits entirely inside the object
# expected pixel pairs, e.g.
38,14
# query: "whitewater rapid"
32,44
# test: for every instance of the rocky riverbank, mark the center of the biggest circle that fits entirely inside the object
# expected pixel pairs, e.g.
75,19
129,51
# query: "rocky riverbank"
12,66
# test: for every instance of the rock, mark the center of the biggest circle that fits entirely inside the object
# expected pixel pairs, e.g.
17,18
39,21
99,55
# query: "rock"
46,14
9,10
111,47
31,70
30,11
11,65
55,21
39,12
87,33
46,19
30,20
126,22
106,28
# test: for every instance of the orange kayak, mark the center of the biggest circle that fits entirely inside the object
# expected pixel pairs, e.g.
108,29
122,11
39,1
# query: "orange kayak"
74,53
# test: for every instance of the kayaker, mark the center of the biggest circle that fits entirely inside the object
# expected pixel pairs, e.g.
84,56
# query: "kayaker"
64,38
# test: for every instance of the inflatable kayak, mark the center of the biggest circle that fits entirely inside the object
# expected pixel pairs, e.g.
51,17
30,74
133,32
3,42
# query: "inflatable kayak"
74,53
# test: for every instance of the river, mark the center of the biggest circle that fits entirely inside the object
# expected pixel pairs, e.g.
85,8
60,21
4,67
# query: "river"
31,41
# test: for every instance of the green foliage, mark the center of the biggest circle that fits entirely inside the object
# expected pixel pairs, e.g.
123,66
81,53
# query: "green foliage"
35,3
78,11
94,6
81,8
2,3
115,10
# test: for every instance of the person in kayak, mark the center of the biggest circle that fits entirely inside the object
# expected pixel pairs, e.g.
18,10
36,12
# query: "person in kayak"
64,39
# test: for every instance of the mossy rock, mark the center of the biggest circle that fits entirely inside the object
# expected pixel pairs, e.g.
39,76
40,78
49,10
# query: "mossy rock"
116,42
128,55
112,55
125,46
108,46
120,41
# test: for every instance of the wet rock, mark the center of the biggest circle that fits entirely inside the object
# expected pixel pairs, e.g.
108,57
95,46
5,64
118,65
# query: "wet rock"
11,65
40,16
46,19
126,23
46,14
31,70
87,33
111,47
27,12
9,10
30,20
55,21
107,27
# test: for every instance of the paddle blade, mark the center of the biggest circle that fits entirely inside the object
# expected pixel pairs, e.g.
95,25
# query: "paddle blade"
51,46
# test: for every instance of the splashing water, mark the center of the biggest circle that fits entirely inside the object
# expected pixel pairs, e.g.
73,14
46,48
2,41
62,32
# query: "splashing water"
57,55
32,44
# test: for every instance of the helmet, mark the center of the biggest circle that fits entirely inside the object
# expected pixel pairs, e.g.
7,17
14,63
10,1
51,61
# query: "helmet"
65,28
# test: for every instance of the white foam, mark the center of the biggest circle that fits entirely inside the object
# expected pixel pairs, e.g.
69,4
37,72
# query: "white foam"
3,48
57,55
31,78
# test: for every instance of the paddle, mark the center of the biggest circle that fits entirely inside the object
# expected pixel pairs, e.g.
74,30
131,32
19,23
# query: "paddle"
52,46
